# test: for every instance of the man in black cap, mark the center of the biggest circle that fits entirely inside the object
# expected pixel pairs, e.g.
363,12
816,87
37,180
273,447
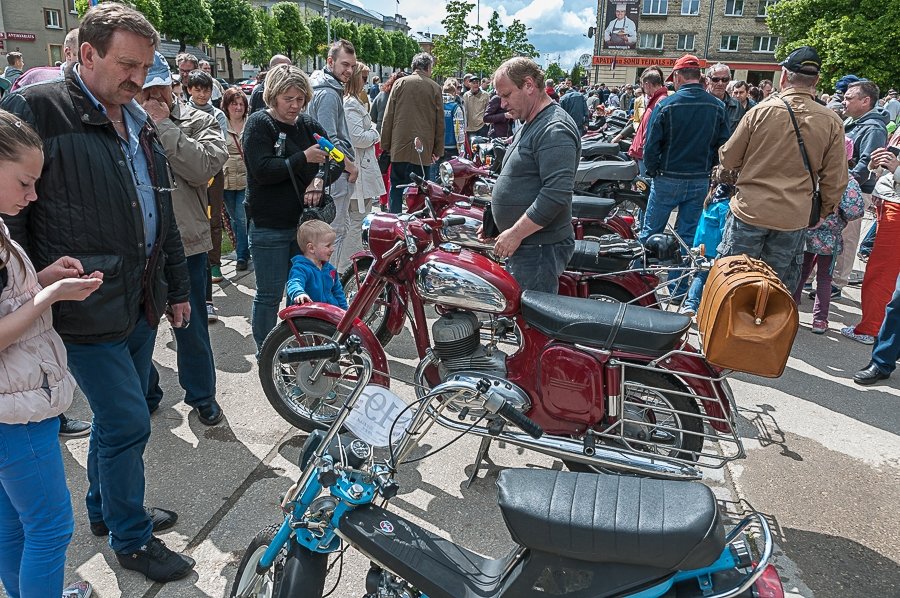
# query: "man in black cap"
771,208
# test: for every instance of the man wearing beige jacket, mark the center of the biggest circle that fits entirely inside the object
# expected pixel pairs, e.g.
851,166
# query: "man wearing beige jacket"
415,108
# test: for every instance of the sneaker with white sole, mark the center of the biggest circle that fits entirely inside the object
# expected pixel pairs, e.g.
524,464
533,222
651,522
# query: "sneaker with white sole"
81,589
211,313
866,339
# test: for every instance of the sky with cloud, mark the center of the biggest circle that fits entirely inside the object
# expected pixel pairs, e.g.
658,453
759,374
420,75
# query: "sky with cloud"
558,27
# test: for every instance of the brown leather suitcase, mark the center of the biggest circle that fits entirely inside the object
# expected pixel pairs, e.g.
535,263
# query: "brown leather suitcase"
747,318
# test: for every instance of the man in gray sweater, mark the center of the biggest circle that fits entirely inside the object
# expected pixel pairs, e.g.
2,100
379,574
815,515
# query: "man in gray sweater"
532,199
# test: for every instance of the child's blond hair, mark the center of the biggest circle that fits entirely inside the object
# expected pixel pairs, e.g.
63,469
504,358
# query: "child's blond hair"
311,231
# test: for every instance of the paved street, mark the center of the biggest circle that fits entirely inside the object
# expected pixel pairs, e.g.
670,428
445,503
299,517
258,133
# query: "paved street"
823,463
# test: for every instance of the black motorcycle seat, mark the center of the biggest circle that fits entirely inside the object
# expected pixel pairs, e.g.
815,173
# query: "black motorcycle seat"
590,207
606,518
603,324
593,149
606,170
432,564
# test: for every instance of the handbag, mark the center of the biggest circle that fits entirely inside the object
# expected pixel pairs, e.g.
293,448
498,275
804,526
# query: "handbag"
817,196
324,210
384,161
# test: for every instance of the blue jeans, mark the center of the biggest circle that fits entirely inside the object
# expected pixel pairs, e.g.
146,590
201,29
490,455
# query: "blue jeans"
887,344
666,194
868,241
113,376
400,172
196,367
695,293
537,267
36,520
272,250
234,205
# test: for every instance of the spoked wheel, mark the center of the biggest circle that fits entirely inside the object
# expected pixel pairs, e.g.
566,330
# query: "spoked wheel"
247,583
602,290
377,316
656,422
306,403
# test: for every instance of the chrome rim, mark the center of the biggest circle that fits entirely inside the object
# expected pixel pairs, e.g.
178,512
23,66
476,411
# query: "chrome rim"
317,400
644,422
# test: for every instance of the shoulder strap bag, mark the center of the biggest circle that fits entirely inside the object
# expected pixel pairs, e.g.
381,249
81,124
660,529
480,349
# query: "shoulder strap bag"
817,196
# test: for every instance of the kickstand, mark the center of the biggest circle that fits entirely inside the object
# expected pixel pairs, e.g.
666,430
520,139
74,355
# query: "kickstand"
480,458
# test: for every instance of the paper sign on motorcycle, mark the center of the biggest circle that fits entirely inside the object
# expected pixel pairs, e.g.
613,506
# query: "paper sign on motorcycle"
375,413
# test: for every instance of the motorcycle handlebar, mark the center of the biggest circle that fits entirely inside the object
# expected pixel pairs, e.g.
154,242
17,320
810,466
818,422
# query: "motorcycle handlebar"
330,351
416,179
454,220
512,415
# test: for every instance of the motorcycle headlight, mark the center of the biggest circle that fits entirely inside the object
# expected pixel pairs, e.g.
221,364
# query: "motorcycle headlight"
446,172
364,233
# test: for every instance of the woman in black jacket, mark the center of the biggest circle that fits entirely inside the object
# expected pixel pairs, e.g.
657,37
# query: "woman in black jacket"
277,142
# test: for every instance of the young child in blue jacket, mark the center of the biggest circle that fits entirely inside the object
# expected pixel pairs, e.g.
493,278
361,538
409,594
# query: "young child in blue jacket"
709,230
312,278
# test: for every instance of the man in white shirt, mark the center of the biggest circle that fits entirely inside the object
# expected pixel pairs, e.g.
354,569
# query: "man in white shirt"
621,31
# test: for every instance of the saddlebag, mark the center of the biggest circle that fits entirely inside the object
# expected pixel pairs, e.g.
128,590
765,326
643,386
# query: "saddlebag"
609,253
747,318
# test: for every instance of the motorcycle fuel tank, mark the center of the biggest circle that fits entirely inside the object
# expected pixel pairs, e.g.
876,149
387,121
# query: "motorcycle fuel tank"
466,234
455,277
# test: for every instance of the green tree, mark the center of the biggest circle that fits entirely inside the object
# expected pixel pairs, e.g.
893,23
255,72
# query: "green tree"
293,32
341,29
268,43
851,36
555,72
492,49
516,40
188,21
576,74
369,49
318,29
400,49
450,50
230,27
387,48
149,8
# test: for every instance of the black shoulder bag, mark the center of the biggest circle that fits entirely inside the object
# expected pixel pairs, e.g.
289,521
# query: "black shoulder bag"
817,196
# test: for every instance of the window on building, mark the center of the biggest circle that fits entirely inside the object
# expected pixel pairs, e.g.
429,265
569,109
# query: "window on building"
70,6
734,8
729,43
690,7
764,7
651,41
765,44
656,7
685,41
55,52
52,18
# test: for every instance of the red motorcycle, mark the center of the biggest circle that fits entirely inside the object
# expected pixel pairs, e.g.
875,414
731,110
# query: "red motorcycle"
599,268
614,386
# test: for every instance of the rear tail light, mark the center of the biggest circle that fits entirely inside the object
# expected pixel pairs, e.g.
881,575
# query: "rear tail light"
629,220
768,585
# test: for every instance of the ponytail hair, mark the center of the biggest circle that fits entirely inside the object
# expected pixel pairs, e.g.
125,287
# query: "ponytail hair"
16,136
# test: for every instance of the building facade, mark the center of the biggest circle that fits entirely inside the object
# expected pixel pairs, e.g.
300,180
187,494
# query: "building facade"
37,32
635,34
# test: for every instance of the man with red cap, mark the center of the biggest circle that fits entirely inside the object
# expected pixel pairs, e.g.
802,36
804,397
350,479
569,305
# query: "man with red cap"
684,134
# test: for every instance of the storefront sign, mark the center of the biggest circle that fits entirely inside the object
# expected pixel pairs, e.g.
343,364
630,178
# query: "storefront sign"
20,37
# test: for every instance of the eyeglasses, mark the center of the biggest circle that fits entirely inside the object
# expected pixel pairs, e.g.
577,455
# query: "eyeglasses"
720,79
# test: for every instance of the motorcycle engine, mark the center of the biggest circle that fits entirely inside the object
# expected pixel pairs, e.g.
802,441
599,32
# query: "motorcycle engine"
457,343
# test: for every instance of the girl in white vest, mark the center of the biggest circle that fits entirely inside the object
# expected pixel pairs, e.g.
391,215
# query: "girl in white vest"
36,519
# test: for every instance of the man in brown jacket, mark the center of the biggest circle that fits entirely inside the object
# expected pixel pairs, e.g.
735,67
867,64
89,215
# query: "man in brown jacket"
771,209
415,108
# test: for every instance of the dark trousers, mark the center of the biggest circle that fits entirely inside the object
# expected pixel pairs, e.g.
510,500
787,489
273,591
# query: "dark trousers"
113,376
887,345
400,172
196,367
537,267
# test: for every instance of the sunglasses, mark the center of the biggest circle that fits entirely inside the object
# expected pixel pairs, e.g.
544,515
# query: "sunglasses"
720,79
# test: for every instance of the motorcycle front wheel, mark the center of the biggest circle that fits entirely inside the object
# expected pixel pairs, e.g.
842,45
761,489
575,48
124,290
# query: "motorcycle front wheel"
304,403
246,581
378,316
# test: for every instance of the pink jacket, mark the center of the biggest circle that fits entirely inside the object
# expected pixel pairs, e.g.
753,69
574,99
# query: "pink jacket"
34,382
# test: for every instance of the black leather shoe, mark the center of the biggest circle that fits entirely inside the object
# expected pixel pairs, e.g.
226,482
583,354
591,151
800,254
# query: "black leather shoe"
73,428
210,414
241,265
870,375
156,561
162,519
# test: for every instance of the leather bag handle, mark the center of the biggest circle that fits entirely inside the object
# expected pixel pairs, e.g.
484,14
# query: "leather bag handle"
762,298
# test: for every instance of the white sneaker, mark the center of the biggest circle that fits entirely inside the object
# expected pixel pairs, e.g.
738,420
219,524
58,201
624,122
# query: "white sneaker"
211,313
81,589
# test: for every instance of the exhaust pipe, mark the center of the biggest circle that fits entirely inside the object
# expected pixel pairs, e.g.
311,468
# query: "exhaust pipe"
573,450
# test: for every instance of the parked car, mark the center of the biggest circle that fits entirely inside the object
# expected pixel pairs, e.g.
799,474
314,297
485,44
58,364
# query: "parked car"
247,85
225,84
